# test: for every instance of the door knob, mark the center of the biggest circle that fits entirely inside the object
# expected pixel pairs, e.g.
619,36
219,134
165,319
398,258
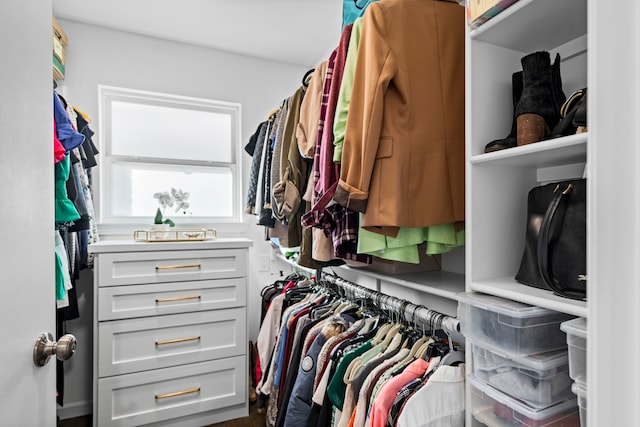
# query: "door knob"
46,347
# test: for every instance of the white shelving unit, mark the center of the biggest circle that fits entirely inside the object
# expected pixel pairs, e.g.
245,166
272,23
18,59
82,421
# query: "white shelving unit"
599,45
498,183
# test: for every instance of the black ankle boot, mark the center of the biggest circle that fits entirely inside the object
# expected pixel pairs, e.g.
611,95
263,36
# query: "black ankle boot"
556,81
511,140
537,111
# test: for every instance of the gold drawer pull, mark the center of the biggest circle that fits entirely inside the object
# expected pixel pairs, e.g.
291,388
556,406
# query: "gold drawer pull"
158,300
173,267
177,340
178,393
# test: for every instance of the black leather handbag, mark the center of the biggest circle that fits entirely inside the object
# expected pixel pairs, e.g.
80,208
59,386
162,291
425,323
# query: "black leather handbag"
556,239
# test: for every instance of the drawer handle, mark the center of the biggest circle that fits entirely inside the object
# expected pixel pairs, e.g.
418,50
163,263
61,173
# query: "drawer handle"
173,267
178,393
158,300
177,340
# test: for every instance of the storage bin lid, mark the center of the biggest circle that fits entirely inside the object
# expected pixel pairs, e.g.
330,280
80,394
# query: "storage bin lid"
518,406
503,306
577,327
539,362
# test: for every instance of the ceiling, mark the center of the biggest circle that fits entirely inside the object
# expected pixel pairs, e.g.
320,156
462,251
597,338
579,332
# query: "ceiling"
300,32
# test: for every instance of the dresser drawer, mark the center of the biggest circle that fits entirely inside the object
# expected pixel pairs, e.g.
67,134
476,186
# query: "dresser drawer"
146,343
130,268
160,395
121,302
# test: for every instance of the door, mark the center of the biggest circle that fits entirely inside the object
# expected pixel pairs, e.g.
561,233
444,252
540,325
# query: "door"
27,304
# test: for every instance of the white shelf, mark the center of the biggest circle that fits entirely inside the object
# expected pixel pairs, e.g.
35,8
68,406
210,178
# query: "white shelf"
507,287
553,152
441,283
531,25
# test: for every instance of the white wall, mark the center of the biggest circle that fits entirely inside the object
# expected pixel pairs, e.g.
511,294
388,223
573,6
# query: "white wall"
98,56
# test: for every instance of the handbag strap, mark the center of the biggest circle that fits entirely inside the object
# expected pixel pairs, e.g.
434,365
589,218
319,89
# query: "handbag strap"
549,231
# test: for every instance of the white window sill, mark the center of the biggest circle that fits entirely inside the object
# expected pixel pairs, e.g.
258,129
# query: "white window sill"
112,231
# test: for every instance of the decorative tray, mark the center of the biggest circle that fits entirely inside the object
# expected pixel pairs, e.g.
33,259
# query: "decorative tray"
175,235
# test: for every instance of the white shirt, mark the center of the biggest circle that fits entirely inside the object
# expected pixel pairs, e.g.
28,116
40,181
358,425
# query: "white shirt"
439,403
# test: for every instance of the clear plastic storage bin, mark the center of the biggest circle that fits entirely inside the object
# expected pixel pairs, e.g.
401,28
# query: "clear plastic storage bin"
493,408
581,392
576,330
516,328
540,380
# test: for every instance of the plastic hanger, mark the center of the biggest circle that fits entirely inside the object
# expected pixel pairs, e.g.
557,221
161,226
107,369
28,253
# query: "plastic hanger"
382,331
306,77
453,358
391,334
394,343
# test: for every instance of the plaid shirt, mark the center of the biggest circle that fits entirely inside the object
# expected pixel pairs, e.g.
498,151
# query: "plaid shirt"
338,222
400,399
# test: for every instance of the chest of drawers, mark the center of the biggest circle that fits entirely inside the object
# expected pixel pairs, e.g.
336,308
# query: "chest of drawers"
170,332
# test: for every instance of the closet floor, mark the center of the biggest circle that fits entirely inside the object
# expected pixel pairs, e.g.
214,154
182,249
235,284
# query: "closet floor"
253,420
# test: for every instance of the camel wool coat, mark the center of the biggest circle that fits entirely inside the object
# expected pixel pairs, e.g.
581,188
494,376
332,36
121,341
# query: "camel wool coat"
403,155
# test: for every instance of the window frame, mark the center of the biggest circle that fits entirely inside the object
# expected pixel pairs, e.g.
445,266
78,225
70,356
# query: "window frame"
109,94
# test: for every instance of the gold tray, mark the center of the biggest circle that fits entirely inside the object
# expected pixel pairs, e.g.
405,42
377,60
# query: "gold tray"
175,235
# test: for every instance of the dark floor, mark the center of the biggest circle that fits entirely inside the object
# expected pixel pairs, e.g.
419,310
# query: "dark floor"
253,420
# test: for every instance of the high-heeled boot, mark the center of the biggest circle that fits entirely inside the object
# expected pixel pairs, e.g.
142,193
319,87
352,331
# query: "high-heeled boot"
537,111
556,81
510,140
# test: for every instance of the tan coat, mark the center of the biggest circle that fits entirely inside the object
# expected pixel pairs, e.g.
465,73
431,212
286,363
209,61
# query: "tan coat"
403,158
307,129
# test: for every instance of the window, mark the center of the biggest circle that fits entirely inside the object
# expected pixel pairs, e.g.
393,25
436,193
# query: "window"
153,142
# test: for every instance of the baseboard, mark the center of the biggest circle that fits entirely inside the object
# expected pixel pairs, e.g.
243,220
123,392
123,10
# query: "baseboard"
75,409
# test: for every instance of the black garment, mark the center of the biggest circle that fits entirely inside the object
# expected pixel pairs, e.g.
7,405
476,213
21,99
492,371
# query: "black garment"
321,414
267,296
72,311
250,148
292,374
89,148
255,168
265,217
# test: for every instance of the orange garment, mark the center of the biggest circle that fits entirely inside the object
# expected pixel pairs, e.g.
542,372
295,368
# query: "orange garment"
353,416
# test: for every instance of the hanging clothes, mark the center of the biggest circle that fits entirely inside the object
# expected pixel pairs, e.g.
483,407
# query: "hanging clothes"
307,128
346,86
75,225
331,366
65,132
257,141
65,211
294,171
326,172
403,154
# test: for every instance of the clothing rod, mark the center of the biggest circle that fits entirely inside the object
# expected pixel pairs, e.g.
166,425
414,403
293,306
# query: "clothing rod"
410,311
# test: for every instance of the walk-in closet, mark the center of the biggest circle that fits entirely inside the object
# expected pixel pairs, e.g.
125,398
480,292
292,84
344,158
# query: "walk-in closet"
326,213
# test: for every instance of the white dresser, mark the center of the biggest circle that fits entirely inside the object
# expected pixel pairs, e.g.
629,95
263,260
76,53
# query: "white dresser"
170,332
